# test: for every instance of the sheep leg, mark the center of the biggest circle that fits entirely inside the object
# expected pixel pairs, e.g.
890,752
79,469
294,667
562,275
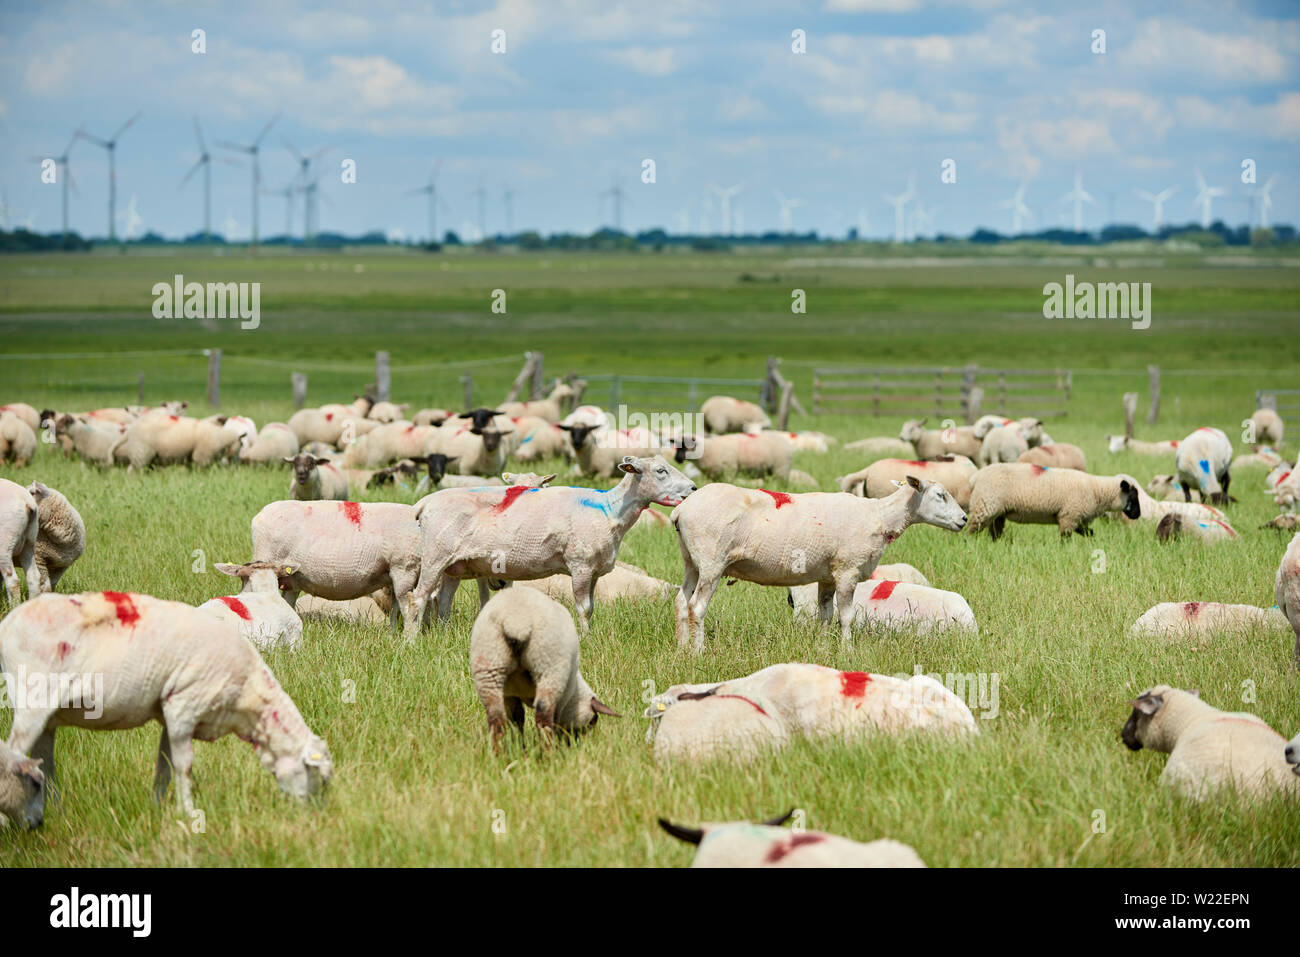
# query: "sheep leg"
489,684
996,527
446,596
825,600
544,715
32,734
12,588
418,599
1187,491
180,739
483,594
682,603
845,585
699,606
32,573
584,584
402,584
162,775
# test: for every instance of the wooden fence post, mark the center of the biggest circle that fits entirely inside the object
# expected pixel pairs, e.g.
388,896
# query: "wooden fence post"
467,381
299,381
139,389
579,387
974,399
524,377
214,378
383,378
539,385
783,406
1130,412
1154,411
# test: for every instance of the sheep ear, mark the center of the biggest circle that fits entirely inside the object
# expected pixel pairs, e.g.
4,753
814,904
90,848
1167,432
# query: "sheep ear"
546,480
778,821
320,461
30,768
1149,704
691,835
227,568
600,707
288,458
915,482
628,465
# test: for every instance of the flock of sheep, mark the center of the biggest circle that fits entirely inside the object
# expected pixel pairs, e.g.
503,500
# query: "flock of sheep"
320,553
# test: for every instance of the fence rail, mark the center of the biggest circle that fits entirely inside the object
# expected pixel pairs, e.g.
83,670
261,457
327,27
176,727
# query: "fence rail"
957,392
694,386
1269,399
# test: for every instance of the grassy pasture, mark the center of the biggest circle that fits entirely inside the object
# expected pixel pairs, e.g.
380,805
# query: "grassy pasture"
415,783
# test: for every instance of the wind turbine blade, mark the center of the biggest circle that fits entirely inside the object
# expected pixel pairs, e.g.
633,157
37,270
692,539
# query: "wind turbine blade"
94,139
198,134
124,127
72,142
239,147
292,149
266,129
193,169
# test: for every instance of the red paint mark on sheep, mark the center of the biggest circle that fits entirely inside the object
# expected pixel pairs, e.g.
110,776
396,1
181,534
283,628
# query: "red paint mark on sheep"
352,511
752,704
883,590
1283,477
1038,469
127,613
512,493
780,498
853,684
915,464
779,850
329,416
1192,608
1174,443
63,649
174,418
237,606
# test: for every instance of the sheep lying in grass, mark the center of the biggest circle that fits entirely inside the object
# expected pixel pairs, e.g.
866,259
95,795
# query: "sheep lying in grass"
160,660
1268,427
723,414
1058,455
899,572
259,612
1209,750
1286,589
740,844
1286,493
775,538
1263,457
1153,510
1122,443
937,443
60,537
1174,525
275,442
372,609
1203,620
1205,461
1036,495
806,441
896,606
315,478
882,446
523,650
1164,488
878,480
22,784
17,440
551,408
741,717
624,581
742,453
19,531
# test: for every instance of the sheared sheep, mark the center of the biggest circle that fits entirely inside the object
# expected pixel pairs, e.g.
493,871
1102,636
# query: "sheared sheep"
723,414
276,441
21,789
1205,461
259,612
1164,488
1268,427
1058,455
475,447
17,440
95,443
1286,589
370,609
1122,443
776,538
539,439
740,844
1209,750
60,538
387,411
600,451
879,445
165,438
523,649
896,606
1003,443
624,581
1033,494
432,416
551,408
19,531
1263,457
953,472
1175,525
160,660
329,424
315,478
741,453
1203,620
1154,510
26,413
938,443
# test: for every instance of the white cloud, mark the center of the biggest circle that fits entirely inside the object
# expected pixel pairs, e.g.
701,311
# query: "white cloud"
1266,56
650,61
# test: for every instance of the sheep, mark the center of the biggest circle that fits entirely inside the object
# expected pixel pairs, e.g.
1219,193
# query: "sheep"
476,448
1165,488
600,451
1286,522
341,550
276,441
523,650
60,537
1286,493
173,438
1209,750
807,441
1204,461
21,786
531,480
1175,525
550,409
17,440
776,538
723,414
1286,589
1123,443
1202,620
244,428
387,411
896,606
1034,494
1262,456
1292,753
1154,510
986,423
329,424
370,609
1268,428
160,660
937,443
592,415
1058,455
19,531
1002,443
524,533
96,443
391,442
432,416
24,412
899,572
539,439
740,844
744,453
877,480
623,581
258,612
765,710
322,449
392,475
313,478
886,446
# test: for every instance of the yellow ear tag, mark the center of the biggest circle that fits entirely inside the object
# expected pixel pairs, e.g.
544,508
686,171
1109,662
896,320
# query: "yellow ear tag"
661,706
316,757
288,569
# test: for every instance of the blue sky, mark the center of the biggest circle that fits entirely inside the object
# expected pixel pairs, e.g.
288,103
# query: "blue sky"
712,92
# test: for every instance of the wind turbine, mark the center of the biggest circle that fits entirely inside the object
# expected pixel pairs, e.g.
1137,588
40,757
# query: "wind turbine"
110,145
252,149
724,202
1205,197
1078,196
308,186
430,189
617,196
1157,201
784,218
1020,213
1265,201
66,179
205,161
131,217
286,192
898,202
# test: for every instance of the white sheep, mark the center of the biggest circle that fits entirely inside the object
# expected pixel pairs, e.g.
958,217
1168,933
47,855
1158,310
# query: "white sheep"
523,650
740,844
776,538
329,424
276,441
1002,443
167,438
1164,488
19,530
313,478
1263,456
877,480
60,538
1057,455
936,443
160,660
1209,750
896,606
370,609
1036,495
475,447
551,409
244,428
1286,589
432,416
1154,509
1205,461
29,416
883,445
1123,443
96,443
1200,621
17,440
899,572
986,423
723,413
1286,493
1174,525
539,439
623,582
259,612
1268,427
740,453
22,784
600,452
388,411
391,442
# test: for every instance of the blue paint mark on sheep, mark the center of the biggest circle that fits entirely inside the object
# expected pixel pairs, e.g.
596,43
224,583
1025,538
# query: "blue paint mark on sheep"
1205,465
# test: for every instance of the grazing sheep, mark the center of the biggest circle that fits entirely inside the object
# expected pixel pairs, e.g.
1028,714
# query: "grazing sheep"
1123,443
723,414
391,442
540,439
1187,620
1164,488
624,581
387,411
314,478
371,609
885,446
329,424
21,789
1262,456
878,479
739,844
258,612
1286,589
938,443
551,409
1003,443
743,453
432,416
1058,455
24,412
19,531
1204,461
1268,427
1175,525
896,606
986,423
341,550
276,441
523,650
245,430
160,660
17,440
775,538
60,538
600,452
1036,495
1209,750
1287,522
169,438
476,447
95,443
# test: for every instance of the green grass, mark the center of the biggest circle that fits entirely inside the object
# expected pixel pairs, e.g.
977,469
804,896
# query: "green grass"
415,782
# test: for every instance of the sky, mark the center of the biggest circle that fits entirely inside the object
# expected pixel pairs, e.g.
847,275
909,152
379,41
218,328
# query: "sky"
714,93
